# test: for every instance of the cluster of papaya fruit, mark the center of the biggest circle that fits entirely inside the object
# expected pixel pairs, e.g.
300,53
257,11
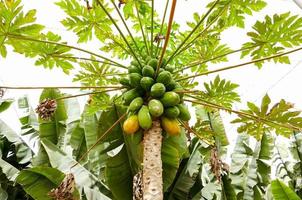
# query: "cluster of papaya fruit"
153,96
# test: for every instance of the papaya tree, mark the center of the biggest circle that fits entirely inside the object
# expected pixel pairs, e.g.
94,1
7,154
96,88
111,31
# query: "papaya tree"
150,129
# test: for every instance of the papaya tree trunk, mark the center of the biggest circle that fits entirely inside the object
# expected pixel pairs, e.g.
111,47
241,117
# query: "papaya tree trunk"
152,163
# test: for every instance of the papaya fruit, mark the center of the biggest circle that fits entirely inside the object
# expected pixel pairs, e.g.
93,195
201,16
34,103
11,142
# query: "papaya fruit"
158,90
161,70
171,126
172,112
171,86
125,82
147,59
184,113
144,118
134,69
148,71
135,79
170,99
131,125
179,88
136,104
169,68
156,108
146,83
163,62
134,63
153,63
130,95
164,77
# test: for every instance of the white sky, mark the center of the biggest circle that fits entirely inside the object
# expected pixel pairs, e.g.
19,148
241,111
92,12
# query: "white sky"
280,81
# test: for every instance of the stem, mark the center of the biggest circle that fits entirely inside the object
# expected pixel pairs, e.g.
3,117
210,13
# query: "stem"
86,59
162,26
242,64
142,28
247,115
211,59
119,30
193,31
152,163
64,45
190,130
58,87
203,31
85,94
167,35
125,24
152,27
100,138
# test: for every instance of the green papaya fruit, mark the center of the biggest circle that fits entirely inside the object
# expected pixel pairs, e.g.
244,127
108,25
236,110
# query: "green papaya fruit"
144,118
172,112
170,99
134,69
156,108
130,95
147,59
125,82
134,63
148,71
158,90
135,79
171,85
146,83
164,77
136,104
184,113
153,63
169,68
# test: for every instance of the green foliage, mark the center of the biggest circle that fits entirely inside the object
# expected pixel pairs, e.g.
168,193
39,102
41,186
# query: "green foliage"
14,21
282,192
5,104
281,113
221,92
85,22
86,181
272,36
209,126
48,55
235,11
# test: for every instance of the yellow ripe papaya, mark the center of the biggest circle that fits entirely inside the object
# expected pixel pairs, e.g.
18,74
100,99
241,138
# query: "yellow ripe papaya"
131,125
171,126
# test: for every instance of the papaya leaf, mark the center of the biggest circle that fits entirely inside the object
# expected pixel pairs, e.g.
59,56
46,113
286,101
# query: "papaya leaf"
272,36
236,11
221,92
15,21
281,113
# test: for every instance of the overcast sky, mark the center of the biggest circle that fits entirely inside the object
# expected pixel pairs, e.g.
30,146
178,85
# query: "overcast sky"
280,81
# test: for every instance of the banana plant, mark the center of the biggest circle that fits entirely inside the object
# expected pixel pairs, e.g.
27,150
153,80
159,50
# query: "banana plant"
135,137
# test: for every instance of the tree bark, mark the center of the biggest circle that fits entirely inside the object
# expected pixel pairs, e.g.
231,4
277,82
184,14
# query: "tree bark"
152,163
